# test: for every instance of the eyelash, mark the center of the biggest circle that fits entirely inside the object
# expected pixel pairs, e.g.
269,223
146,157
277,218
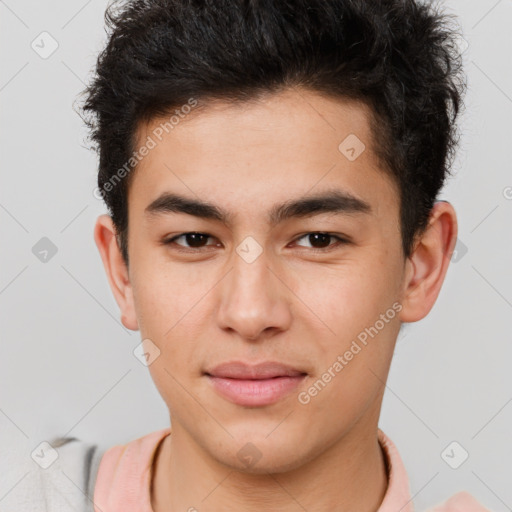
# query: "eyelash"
340,241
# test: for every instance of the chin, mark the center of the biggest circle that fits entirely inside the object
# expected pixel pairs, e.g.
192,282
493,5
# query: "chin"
262,454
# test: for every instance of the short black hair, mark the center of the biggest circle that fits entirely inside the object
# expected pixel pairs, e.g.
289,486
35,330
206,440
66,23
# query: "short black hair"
399,57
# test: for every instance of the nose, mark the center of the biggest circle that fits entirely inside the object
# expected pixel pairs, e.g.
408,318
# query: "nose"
253,301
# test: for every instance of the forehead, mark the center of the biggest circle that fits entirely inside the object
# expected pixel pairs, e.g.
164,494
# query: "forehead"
261,152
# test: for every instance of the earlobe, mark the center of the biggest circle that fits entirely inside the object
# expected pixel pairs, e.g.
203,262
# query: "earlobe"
428,264
116,270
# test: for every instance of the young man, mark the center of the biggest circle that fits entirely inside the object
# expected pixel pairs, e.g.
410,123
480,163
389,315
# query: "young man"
271,170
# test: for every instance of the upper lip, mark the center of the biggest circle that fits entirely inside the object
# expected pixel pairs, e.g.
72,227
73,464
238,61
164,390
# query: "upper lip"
264,370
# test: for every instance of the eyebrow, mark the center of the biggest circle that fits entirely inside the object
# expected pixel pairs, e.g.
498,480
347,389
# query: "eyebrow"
335,201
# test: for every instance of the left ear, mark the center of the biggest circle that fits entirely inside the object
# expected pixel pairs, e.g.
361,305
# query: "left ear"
116,270
427,265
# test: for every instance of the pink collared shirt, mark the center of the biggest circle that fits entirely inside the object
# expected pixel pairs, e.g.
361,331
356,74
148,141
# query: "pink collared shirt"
124,478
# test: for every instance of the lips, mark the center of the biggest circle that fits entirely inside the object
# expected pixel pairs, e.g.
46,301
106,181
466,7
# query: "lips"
265,370
254,385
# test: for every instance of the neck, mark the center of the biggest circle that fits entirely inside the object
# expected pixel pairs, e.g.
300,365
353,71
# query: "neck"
350,475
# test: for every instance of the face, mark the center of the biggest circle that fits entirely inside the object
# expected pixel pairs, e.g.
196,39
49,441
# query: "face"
317,288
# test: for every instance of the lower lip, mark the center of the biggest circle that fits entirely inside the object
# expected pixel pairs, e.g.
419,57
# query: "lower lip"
255,392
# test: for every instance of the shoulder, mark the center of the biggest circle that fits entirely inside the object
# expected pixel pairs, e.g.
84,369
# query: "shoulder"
127,466
124,476
58,474
460,502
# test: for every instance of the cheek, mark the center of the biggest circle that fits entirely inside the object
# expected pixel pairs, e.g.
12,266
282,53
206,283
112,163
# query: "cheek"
345,299
165,295
168,303
355,315
352,363
171,303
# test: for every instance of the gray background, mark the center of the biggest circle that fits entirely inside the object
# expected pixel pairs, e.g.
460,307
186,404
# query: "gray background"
66,363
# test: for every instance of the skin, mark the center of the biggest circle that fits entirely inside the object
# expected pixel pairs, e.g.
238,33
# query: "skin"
290,305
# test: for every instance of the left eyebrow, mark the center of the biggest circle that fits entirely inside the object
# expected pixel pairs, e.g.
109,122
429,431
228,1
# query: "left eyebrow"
336,201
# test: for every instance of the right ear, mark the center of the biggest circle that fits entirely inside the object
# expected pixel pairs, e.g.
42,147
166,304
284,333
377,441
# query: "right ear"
116,270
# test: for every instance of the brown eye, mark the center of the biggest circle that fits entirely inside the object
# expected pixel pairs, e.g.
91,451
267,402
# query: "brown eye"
319,241
192,240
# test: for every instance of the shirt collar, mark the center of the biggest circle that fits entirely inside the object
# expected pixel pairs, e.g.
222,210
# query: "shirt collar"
398,495
124,476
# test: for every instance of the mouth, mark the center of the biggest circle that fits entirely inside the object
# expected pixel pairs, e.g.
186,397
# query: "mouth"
254,385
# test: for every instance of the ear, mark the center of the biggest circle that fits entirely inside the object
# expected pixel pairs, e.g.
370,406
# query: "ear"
426,267
116,270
